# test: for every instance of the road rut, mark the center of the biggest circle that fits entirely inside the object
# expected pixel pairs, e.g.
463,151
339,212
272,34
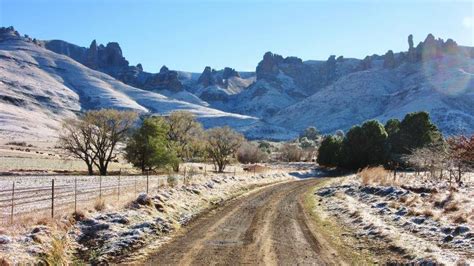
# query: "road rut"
268,226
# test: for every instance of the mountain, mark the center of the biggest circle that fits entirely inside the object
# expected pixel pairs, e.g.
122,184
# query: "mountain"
39,88
436,76
42,82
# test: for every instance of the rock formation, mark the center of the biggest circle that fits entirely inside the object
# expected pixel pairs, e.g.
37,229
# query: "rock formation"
389,60
165,80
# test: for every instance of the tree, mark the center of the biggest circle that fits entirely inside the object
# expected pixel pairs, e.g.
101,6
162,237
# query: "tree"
148,146
416,131
183,130
310,133
76,138
329,151
109,127
364,146
432,158
392,126
291,152
222,142
461,154
250,153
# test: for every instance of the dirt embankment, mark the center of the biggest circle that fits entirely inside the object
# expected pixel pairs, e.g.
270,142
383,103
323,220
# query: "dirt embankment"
267,227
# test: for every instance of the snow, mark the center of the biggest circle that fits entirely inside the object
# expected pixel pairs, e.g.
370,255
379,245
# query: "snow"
446,92
39,88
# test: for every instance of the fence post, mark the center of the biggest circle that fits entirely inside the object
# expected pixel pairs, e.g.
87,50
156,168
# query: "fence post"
147,181
118,193
135,185
52,198
100,186
13,203
75,194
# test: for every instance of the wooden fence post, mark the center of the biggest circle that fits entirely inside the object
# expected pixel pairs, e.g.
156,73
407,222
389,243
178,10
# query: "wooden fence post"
135,185
147,181
100,186
13,202
52,198
75,194
118,189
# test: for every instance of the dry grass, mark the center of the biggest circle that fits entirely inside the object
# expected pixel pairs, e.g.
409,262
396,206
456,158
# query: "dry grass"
99,204
451,207
172,181
460,218
78,215
56,254
394,205
412,201
427,213
376,175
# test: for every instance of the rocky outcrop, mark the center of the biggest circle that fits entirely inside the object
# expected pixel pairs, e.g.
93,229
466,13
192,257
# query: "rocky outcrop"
366,63
211,77
8,33
229,73
165,80
111,56
207,79
92,57
389,60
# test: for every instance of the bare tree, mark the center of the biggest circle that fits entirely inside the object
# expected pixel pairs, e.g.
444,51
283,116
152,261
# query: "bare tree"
76,138
251,153
109,127
461,154
222,142
291,152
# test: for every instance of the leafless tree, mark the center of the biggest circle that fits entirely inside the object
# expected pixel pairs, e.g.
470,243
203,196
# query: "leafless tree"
76,138
109,127
251,153
93,137
461,155
291,152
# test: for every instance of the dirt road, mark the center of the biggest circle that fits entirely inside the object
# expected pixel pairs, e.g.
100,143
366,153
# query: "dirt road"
268,227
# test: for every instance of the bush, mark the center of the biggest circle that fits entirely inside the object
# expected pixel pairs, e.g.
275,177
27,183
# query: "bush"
250,153
291,152
329,152
99,204
364,146
415,131
375,175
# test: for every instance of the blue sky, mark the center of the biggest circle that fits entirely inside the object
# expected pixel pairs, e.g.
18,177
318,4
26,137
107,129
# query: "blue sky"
189,35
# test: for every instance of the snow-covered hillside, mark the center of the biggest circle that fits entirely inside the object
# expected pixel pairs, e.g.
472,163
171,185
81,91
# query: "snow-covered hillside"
443,87
38,88
42,82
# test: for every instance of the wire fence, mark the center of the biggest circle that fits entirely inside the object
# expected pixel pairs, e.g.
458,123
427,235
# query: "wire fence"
70,192
47,196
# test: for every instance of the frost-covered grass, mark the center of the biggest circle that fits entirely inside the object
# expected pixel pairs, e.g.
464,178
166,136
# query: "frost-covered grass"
419,218
129,231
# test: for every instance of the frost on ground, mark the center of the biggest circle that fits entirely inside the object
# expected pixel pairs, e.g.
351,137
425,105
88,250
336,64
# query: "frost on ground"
419,220
130,233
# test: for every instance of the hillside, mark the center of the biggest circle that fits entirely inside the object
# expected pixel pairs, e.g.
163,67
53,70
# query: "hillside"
38,88
41,82
444,87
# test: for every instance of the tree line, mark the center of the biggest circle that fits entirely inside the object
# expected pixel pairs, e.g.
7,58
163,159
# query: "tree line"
413,142
149,142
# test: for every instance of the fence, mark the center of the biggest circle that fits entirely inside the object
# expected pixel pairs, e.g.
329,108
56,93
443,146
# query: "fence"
31,195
